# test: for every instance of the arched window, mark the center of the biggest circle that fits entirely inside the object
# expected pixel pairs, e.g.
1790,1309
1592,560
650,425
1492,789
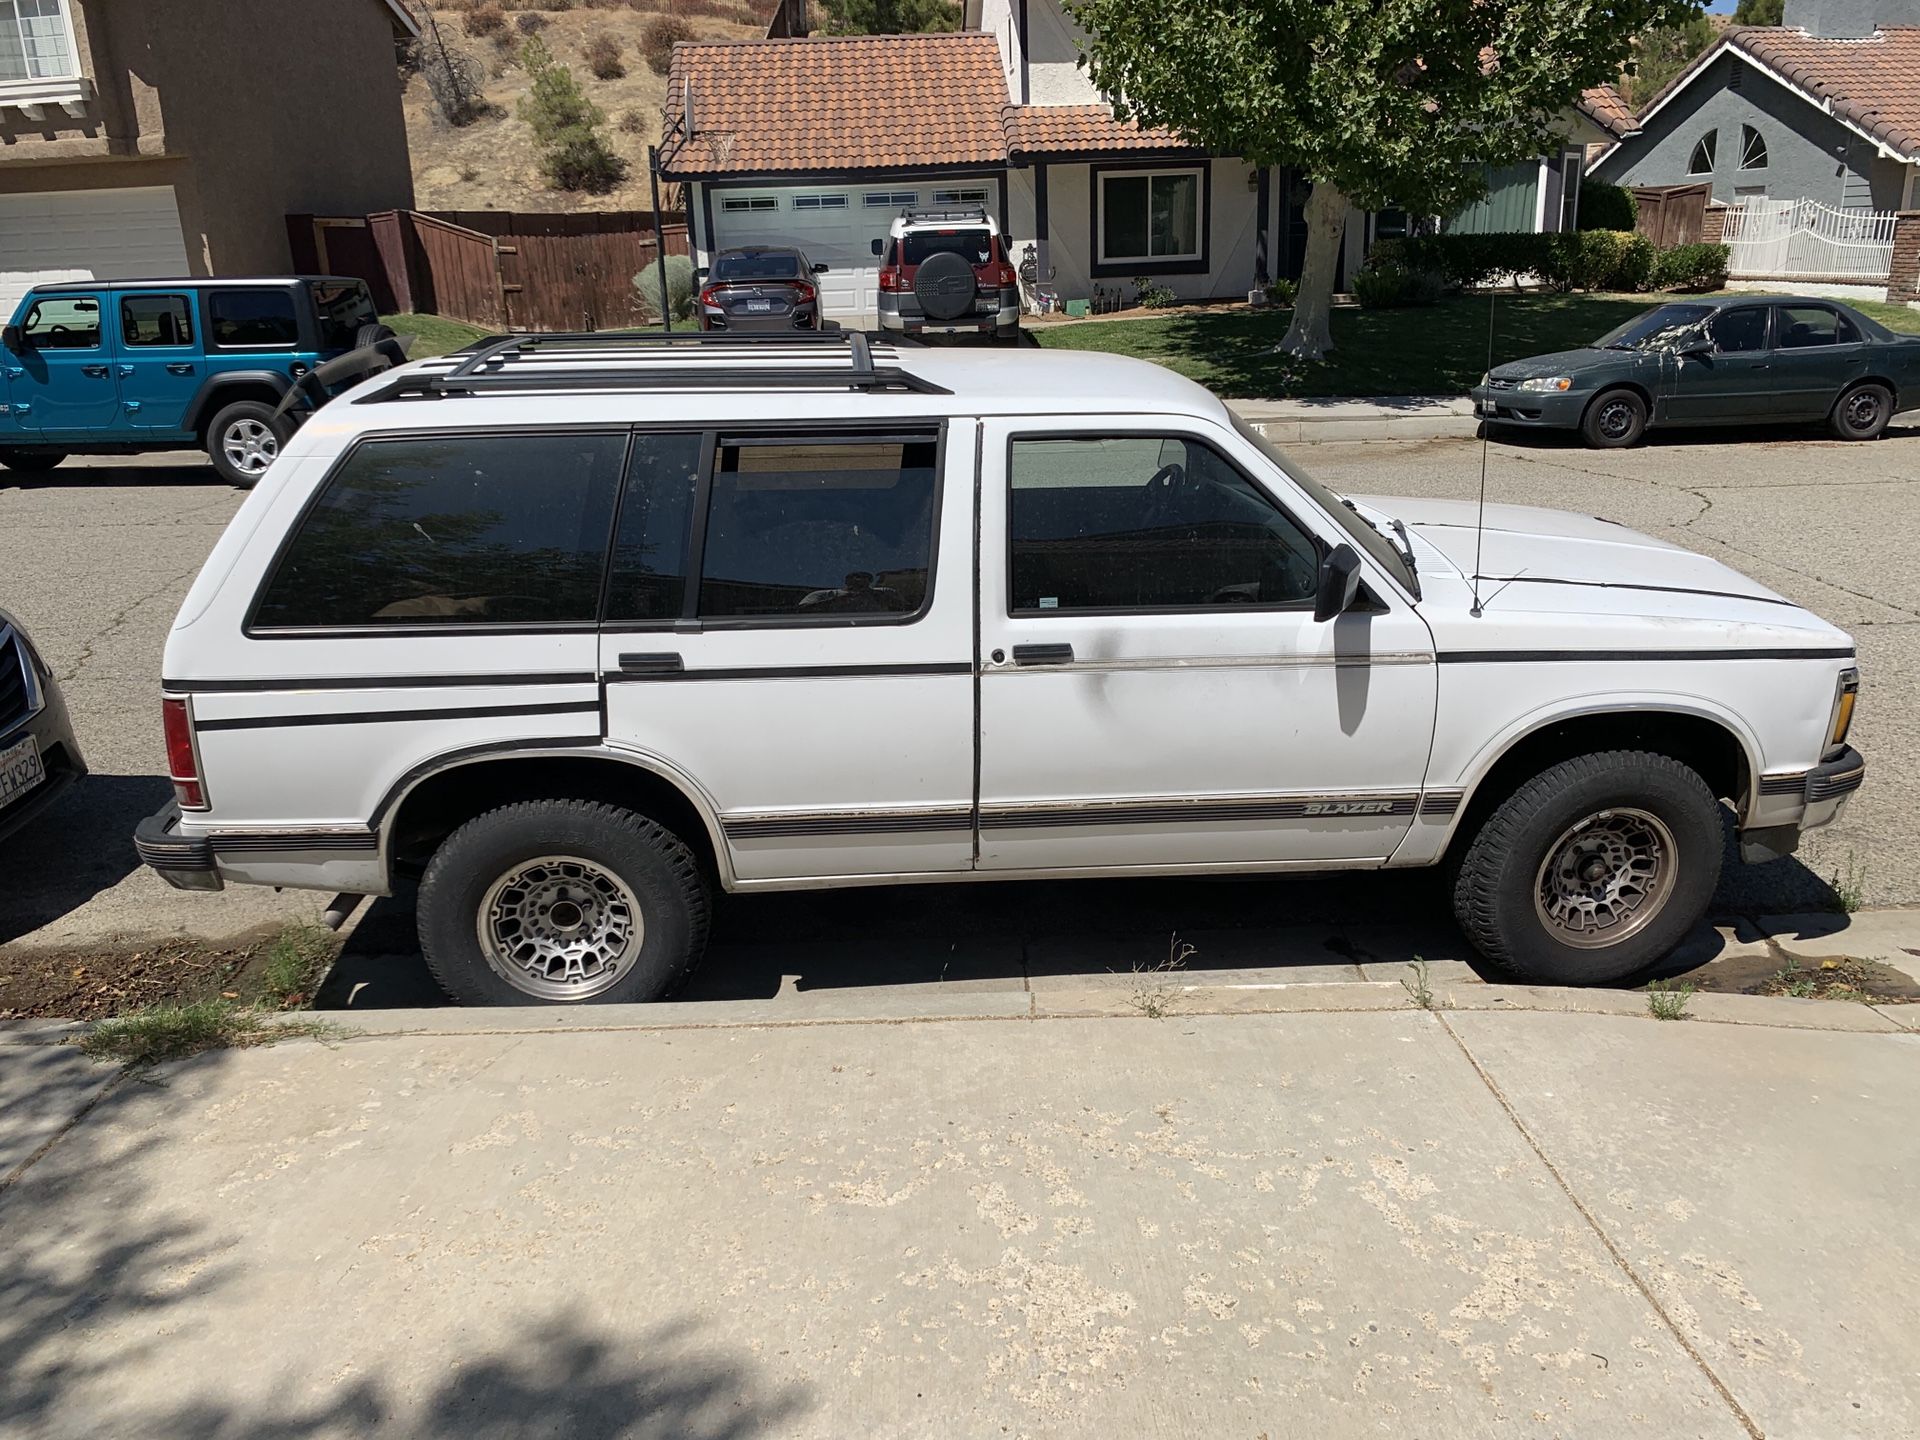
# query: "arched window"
1753,149
1702,161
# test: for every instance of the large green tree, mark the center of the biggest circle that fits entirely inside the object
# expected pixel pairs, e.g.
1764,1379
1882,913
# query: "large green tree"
889,17
1377,102
1759,12
1664,51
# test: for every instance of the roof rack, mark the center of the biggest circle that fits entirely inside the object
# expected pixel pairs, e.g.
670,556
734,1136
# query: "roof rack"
933,214
597,360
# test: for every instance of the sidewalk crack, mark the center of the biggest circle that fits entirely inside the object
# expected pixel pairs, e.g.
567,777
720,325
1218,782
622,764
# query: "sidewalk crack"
1619,1258
14,1175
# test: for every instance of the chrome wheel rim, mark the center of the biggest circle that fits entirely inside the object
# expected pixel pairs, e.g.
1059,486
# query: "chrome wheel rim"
1606,878
1863,408
560,928
249,446
1616,419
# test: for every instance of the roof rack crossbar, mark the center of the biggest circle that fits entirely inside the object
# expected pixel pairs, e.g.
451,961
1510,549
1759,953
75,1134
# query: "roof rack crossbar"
500,347
704,377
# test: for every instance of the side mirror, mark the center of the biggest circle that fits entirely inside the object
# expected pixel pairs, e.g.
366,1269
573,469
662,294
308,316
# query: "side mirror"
1695,350
1339,584
819,269
879,247
13,339
700,272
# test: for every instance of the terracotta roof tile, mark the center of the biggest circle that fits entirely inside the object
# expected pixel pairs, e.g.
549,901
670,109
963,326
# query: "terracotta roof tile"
834,103
1608,109
1078,130
1873,83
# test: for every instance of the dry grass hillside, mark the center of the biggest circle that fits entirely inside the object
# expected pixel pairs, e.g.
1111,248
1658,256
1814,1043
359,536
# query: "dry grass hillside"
491,163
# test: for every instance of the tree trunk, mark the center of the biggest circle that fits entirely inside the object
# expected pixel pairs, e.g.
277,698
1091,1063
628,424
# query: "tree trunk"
1309,336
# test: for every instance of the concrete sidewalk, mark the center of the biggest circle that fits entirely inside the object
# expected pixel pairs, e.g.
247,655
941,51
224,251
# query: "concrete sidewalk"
1274,1210
1385,417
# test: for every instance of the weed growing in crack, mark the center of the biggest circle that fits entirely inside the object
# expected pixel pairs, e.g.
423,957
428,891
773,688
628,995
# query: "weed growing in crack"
174,1032
1849,884
1667,999
1154,994
1419,993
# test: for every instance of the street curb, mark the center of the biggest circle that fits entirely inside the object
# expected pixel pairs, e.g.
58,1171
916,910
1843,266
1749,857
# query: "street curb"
1387,417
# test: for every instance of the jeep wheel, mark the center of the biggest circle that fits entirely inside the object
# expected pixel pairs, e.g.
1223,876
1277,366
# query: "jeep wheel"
561,901
1615,420
1592,871
371,334
1862,413
31,462
244,439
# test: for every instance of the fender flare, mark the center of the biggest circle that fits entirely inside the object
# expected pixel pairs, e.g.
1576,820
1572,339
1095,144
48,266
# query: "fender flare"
207,399
391,803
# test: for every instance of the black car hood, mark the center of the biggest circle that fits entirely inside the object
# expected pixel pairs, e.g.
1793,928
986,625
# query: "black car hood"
1560,362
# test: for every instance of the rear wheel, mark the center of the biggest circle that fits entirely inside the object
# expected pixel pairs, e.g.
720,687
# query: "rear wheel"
370,334
1862,413
244,439
1592,870
31,462
561,901
1615,420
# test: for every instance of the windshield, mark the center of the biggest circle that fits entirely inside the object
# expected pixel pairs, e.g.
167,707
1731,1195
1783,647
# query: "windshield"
343,309
1364,535
756,267
973,246
1657,329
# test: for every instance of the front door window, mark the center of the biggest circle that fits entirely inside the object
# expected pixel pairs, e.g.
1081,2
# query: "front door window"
64,322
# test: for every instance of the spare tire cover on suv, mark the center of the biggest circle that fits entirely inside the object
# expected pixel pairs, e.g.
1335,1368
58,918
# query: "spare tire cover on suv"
944,285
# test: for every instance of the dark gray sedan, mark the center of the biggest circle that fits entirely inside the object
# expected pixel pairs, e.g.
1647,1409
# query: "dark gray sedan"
1723,360
38,755
761,287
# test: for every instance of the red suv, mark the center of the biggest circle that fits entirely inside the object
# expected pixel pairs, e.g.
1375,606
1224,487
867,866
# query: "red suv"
945,272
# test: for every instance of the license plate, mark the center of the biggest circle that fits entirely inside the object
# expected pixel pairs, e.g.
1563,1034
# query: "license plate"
757,307
20,769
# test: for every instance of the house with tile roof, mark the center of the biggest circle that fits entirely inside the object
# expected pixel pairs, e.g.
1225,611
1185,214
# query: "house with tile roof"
821,141
1825,107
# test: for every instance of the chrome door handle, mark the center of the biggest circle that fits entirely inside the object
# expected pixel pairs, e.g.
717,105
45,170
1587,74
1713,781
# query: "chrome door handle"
177,367
1043,654
99,372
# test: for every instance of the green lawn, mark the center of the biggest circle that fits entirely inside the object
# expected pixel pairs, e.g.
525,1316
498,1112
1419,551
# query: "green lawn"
433,334
1436,351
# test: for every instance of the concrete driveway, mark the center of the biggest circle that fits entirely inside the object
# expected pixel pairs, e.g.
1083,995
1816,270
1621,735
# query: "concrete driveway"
97,556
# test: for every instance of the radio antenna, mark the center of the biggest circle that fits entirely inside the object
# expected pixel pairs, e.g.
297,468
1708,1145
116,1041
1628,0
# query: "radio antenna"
1480,520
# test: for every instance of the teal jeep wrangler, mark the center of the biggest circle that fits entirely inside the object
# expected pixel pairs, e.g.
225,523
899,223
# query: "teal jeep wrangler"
122,366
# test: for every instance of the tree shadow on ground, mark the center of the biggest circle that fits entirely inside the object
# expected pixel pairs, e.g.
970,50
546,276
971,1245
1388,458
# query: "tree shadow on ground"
80,846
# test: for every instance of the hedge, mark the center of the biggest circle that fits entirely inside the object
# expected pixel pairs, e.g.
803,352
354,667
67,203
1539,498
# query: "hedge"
1580,260
1607,207
1691,267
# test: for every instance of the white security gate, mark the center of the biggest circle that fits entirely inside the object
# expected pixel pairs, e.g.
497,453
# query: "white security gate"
131,233
1805,240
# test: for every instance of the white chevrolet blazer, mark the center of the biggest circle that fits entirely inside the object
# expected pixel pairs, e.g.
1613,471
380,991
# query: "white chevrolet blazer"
576,629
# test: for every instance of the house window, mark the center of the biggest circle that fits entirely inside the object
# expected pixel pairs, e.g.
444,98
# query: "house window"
1753,149
36,42
1149,215
819,202
968,196
1701,162
732,204
891,199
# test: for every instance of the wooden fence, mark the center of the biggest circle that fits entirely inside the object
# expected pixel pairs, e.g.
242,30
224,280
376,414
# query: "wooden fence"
1670,215
504,270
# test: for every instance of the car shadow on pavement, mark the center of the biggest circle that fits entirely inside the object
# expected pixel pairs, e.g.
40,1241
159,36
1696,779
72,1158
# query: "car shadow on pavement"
194,471
80,846
1521,438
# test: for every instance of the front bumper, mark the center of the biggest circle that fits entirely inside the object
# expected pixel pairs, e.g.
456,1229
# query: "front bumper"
1821,794
59,756
183,861
1544,409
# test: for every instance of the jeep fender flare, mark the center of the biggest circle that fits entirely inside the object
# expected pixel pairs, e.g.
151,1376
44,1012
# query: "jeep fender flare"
210,396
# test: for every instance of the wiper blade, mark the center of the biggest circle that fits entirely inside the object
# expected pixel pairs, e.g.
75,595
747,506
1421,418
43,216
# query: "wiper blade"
1406,545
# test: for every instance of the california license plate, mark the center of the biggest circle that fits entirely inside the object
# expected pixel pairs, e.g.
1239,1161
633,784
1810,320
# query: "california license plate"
757,307
20,769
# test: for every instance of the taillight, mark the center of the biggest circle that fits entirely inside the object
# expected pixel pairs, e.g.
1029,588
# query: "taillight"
183,759
1003,275
803,293
890,280
710,295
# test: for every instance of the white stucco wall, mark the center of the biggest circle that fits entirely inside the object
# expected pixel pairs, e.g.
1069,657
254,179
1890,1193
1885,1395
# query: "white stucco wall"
1053,42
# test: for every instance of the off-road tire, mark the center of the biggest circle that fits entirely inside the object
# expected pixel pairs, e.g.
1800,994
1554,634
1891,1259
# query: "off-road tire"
653,862
1600,428
368,334
1862,413
1495,877
257,411
31,462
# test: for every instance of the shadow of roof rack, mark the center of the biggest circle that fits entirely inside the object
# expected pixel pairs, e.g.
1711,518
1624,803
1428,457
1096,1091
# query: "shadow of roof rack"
682,360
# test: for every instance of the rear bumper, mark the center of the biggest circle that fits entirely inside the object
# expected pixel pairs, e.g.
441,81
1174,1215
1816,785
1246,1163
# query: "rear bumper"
1822,793
183,861
901,310
1545,411
805,317
59,755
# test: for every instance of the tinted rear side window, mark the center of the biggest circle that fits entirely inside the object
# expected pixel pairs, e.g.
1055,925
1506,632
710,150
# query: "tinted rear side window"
238,318
819,528
649,579
466,530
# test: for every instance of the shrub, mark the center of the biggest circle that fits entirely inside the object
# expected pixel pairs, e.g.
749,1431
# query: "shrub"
1582,260
1607,207
1691,267
634,122
659,37
603,57
680,290
1151,296
486,20
1281,292
528,21
566,125
1392,284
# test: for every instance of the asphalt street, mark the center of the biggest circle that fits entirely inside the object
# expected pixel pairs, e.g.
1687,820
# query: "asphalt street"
95,558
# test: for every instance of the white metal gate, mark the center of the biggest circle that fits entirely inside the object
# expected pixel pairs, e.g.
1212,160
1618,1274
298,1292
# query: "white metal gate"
1805,240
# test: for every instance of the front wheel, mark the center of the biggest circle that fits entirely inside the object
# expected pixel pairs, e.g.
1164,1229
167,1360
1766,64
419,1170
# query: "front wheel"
561,901
244,439
1862,413
1615,420
1591,871
31,462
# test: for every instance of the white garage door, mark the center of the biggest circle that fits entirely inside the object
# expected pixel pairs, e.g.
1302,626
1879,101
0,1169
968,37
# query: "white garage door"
128,234
836,227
